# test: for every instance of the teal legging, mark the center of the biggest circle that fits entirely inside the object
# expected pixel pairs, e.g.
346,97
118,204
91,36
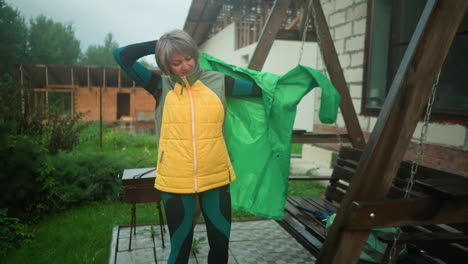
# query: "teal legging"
216,208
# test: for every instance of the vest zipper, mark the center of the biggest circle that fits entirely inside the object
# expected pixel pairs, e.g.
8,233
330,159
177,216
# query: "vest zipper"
161,158
193,135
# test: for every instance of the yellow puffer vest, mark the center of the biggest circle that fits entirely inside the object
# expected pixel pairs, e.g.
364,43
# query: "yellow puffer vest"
192,154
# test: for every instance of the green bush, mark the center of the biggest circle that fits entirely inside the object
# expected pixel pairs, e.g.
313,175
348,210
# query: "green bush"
12,232
89,176
25,183
62,131
119,139
10,104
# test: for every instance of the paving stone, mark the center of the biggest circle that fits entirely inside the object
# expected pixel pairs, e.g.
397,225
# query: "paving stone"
231,260
158,240
124,232
257,234
163,253
263,241
291,257
137,243
260,224
138,256
203,250
263,247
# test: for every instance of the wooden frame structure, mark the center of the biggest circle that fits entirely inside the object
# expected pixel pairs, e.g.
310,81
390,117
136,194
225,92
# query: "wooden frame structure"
388,142
274,28
400,114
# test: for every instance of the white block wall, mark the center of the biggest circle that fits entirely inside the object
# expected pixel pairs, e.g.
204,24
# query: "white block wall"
347,24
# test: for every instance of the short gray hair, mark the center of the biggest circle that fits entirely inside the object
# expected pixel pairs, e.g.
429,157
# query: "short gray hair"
174,41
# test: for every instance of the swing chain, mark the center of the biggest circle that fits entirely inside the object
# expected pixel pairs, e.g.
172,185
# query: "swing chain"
338,135
418,160
304,32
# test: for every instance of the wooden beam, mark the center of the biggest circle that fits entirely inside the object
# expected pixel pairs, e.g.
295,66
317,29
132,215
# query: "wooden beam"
320,138
309,178
335,71
268,34
395,126
52,89
368,215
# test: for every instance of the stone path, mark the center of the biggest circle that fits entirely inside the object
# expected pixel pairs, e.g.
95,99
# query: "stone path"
252,242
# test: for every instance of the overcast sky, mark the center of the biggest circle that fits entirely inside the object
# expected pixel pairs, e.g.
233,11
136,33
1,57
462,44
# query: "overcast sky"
130,21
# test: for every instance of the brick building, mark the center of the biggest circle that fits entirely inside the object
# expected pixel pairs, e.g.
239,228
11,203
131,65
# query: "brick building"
97,92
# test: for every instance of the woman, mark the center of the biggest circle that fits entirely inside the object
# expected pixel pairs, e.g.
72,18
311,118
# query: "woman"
193,161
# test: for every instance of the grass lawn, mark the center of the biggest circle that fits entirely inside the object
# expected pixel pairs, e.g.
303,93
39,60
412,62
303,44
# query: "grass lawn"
83,233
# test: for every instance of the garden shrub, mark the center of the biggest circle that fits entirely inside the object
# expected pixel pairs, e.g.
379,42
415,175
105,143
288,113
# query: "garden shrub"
89,176
12,232
62,131
25,183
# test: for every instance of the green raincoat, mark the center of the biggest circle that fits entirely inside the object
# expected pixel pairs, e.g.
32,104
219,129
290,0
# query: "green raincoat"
258,132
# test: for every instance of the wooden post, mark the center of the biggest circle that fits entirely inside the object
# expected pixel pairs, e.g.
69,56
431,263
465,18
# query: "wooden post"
268,34
119,83
100,105
72,103
336,75
23,103
88,76
47,92
395,126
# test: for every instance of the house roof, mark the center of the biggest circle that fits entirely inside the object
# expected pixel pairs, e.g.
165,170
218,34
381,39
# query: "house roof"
66,76
206,17
201,17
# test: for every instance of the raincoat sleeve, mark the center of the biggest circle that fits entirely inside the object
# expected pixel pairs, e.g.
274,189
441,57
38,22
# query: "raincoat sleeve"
241,88
127,58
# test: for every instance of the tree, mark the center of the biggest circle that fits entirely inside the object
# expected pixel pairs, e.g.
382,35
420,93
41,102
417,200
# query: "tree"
13,38
101,54
52,42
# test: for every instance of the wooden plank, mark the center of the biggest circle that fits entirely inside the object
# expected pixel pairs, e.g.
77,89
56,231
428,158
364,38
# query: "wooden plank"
335,71
320,138
400,114
446,237
268,34
309,178
299,232
314,225
406,212
53,89
316,228
320,203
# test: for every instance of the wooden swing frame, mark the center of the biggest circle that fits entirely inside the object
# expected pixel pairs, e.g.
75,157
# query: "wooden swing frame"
395,126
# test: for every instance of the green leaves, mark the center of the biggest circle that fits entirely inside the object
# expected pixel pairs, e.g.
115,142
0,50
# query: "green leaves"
195,242
13,38
101,54
52,42
12,232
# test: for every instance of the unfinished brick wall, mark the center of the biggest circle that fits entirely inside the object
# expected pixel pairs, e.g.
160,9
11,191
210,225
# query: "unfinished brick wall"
86,100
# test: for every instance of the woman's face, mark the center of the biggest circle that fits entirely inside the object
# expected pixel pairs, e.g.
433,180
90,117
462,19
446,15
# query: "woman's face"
181,64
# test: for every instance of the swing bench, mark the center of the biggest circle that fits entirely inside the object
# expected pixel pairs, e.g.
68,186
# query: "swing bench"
448,242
